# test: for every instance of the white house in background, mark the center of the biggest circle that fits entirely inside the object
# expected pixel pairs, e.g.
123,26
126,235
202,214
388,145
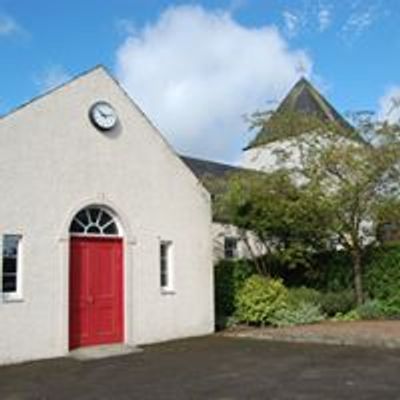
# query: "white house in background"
105,232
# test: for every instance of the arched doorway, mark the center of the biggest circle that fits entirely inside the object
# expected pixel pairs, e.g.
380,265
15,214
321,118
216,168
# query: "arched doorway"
96,278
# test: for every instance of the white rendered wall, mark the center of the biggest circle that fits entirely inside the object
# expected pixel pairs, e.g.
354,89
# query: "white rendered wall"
245,240
54,162
289,154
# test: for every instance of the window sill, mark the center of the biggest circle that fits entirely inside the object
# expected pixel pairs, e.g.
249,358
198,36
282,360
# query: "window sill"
166,291
12,298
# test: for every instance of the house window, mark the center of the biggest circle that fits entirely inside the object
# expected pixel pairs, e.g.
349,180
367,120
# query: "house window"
166,265
11,266
230,248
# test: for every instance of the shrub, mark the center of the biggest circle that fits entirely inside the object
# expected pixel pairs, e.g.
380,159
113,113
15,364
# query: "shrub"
301,314
331,271
259,299
371,309
391,307
333,303
352,315
382,273
229,278
304,295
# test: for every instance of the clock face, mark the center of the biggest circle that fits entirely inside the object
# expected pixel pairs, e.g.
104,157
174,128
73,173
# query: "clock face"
103,115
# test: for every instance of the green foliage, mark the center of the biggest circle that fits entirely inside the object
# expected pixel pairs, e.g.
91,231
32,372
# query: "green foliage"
349,316
266,301
289,124
333,303
229,278
331,271
348,175
382,275
226,322
288,220
303,307
363,180
391,307
299,314
379,309
371,309
382,279
259,299
303,294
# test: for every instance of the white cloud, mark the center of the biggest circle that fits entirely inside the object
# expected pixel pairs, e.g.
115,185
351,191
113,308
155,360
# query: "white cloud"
314,16
51,77
352,18
196,72
389,105
292,23
8,26
358,22
324,18
363,16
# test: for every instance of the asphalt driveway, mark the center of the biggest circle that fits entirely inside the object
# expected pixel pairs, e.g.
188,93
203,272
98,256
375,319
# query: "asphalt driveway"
214,367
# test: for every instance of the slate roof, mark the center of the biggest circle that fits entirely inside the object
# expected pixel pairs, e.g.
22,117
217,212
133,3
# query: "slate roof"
215,177
305,99
205,168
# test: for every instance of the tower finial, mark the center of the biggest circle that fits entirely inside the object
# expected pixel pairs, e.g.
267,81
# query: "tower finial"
301,68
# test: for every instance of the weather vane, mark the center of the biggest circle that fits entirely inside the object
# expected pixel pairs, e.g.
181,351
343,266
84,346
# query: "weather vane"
301,68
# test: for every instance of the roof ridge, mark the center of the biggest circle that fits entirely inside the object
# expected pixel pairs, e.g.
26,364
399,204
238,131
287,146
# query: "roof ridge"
322,101
210,161
300,99
48,92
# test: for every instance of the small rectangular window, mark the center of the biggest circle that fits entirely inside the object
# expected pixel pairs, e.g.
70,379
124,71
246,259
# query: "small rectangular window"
11,272
166,265
230,248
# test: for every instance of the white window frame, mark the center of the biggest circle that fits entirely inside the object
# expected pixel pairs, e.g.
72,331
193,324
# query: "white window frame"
17,295
169,287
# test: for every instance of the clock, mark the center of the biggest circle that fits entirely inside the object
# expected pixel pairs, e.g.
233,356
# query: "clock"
103,116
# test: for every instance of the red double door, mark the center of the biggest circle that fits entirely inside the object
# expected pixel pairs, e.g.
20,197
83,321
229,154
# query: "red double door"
96,292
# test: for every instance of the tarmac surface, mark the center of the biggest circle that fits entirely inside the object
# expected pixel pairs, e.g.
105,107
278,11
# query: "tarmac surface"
213,367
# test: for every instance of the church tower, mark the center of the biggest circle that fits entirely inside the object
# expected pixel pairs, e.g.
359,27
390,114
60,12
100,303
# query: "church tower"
271,150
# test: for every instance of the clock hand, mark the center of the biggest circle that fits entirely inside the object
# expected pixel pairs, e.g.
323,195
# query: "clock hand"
102,113
107,114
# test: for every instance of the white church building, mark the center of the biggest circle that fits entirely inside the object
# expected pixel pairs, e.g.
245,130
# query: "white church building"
105,232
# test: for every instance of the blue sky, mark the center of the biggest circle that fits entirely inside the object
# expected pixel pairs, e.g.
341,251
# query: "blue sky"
197,67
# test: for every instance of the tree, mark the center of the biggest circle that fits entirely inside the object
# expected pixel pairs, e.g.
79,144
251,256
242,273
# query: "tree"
361,184
354,175
285,219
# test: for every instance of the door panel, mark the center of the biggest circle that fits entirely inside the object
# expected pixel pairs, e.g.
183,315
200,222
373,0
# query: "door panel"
96,291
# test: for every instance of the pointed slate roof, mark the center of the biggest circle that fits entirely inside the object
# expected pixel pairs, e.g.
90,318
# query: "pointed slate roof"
215,177
206,168
304,99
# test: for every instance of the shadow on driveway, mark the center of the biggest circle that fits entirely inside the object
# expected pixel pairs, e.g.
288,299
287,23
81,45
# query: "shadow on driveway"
213,367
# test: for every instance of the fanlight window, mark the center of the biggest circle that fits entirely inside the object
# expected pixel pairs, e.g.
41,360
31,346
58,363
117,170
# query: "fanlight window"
94,221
